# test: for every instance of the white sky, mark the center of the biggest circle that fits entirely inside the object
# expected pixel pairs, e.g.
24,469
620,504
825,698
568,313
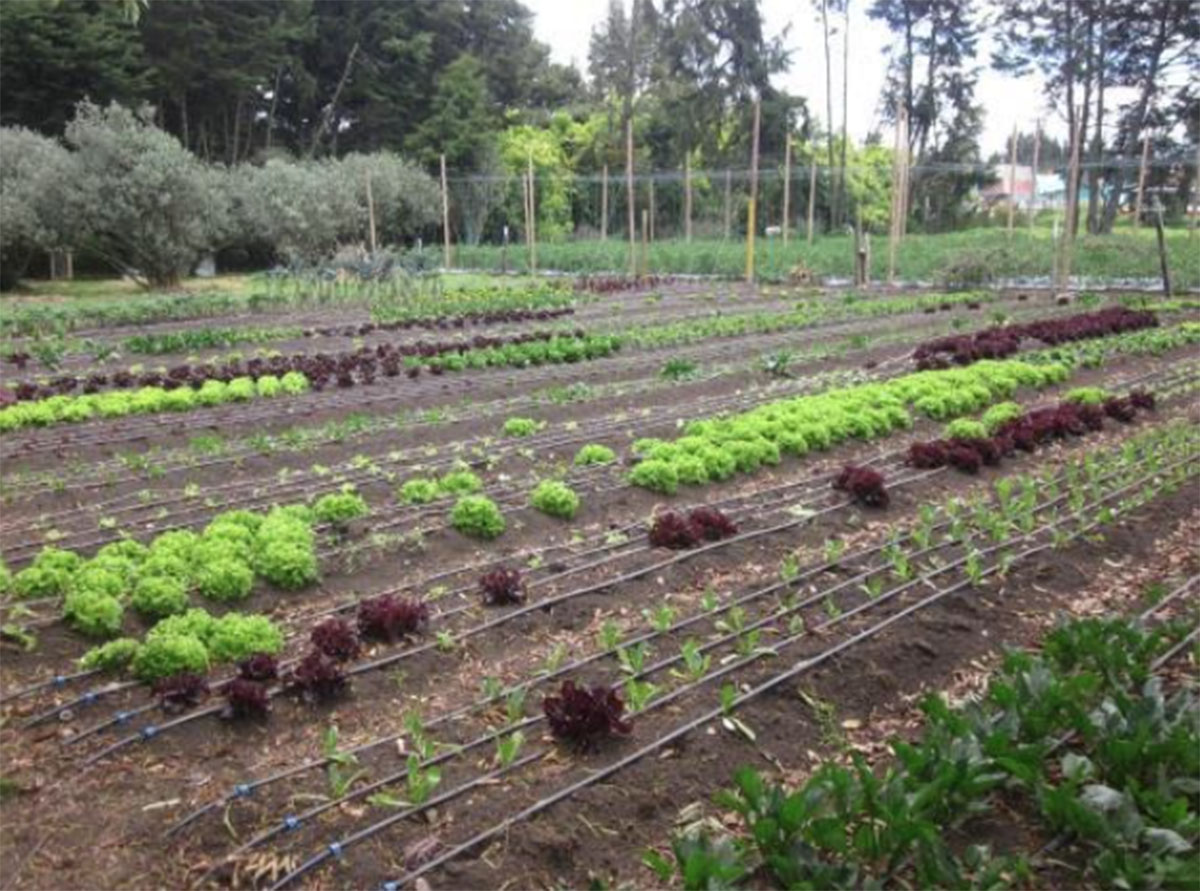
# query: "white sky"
566,26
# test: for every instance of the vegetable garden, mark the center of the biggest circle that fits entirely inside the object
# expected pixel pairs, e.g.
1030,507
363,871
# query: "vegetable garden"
612,582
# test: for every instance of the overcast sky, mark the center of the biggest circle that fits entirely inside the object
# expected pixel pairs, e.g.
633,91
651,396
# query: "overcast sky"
566,26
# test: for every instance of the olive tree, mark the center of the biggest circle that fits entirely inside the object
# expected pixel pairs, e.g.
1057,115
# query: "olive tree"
153,209
33,173
306,209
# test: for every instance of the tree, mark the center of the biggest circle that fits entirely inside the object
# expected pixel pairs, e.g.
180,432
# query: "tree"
33,171
931,80
151,207
53,56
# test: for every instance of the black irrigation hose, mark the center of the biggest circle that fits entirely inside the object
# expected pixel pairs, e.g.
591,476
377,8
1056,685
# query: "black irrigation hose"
718,343
798,668
245,789
123,717
811,487
19,552
335,849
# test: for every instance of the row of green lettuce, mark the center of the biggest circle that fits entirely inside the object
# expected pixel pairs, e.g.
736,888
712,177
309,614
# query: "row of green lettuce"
67,409
560,349
220,564
717,448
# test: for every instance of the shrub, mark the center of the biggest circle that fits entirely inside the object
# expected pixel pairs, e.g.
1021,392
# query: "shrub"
501,587
93,612
112,656
521,427
159,596
419,491
121,169
339,508
167,655
594,453
477,517
336,639
657,476
555,498
460,482
582,717
389,618
225,581
235,636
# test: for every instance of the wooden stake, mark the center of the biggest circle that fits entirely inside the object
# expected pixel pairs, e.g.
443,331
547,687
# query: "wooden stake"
787,187
812,194
525,208
1068,235
629,196
687,197
1012,181
604,204
652,207
728,202
371,211
750,220
1162,251
645,241
532,218
1037,148
897,200
1141,186
445,215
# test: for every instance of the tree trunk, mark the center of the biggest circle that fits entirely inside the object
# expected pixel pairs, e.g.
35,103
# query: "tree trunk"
1093,216
1132,137
183,120
833,209
330,110
271,113
842,196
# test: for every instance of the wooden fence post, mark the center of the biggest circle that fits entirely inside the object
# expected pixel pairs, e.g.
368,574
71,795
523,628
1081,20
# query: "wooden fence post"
604,204
812,195
445,216
687,197
371,211
1037,148
1012,181
629,196
750,220
728,202
787,187
1141,186
532,218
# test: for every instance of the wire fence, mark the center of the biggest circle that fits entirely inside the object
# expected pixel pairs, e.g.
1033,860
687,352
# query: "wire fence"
964,224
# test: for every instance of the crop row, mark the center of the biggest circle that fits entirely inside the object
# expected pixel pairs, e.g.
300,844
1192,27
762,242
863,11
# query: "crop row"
717,448
1005,428
146,400
643,695
1085,737
1005,340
